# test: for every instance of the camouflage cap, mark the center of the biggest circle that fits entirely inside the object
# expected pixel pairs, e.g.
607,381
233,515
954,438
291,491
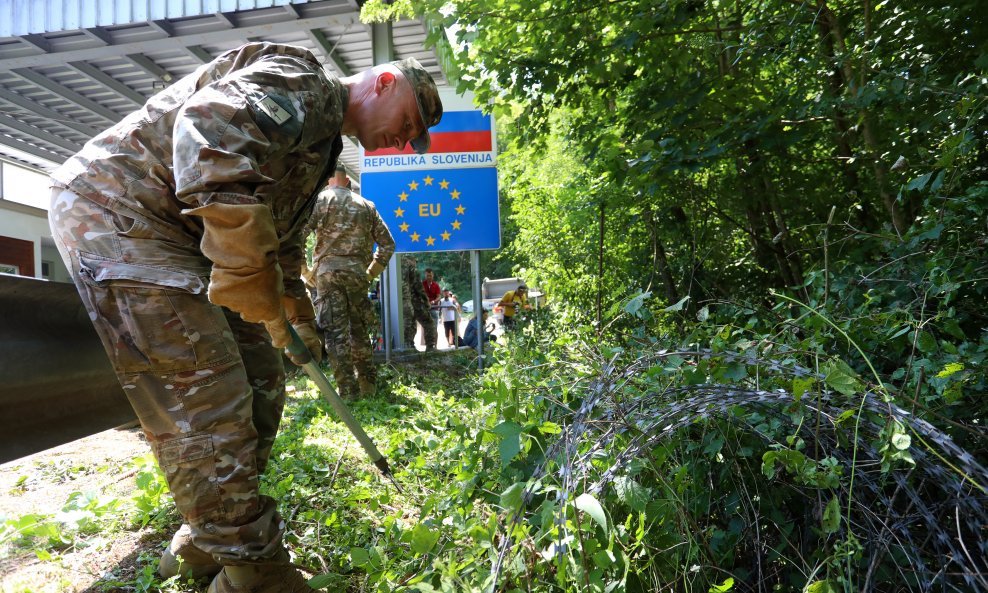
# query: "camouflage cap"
426,96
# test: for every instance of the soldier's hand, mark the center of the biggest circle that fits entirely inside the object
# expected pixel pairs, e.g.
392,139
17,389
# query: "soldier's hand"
310,337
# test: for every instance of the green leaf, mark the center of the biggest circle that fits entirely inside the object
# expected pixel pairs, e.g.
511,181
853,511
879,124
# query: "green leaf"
678,306
631,493
511,498
801,385
926,342
821,587
359,557
320,581
724,587
703,314
589,505
949,369
841,378
424,538
831,516
901,441
510,441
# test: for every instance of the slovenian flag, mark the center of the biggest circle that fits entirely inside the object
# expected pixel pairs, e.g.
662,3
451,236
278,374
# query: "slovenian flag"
457,131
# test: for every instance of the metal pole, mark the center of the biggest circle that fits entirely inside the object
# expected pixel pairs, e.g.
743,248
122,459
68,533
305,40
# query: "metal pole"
383,298
478,306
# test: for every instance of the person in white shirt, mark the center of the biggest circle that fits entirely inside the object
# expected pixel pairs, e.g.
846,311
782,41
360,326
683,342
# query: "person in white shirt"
449,309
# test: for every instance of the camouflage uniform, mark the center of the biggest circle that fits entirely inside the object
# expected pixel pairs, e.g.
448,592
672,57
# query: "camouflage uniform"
258,125
415,306
347,226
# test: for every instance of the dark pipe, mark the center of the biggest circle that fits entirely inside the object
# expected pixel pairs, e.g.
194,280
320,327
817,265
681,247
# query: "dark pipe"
56,383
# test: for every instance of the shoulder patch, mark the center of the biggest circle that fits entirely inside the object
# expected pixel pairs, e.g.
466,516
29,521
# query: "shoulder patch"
272,109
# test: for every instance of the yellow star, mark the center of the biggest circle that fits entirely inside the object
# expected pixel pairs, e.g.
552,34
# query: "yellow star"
444,184
415,237
413,185
428,180
454,194
445,235
399,213
456,224
460,209
403,197
404,227
430,240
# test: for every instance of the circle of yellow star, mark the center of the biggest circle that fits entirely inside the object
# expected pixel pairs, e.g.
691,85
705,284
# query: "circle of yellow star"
454,194
456,225
460,209
428,180
413,185
404,227
445,235
399,213
444,184
403,197
415,237
430,240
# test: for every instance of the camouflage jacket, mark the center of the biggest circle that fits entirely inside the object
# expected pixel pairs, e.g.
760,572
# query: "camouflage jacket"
259,124
347,226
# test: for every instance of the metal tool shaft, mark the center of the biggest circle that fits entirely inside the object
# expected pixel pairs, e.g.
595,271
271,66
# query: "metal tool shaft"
300,352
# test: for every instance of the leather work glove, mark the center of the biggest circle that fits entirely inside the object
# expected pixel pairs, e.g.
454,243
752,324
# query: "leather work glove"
242,243
374,270
303,318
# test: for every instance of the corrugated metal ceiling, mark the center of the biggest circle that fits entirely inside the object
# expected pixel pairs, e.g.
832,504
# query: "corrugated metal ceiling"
92,62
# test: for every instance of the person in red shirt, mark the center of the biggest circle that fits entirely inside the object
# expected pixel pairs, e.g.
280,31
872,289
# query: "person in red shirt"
433,292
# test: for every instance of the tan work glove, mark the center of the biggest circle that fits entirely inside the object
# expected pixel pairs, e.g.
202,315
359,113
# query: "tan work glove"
242,243
303,318
374,270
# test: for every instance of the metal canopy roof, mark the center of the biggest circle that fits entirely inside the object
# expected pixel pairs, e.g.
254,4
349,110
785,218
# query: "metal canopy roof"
59,87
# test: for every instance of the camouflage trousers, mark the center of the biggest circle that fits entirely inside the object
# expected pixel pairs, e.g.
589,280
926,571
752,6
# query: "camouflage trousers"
412,314
346,316
207,387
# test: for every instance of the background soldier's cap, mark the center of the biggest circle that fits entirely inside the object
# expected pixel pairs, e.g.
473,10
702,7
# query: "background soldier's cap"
426,96
340,167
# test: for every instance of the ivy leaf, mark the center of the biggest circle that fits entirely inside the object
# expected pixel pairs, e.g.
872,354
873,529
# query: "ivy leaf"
724,587
800,386
831,516
949,369
821,587
901,441
320,581
589,505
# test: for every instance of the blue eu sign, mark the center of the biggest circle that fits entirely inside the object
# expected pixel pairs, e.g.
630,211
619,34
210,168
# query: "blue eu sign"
437,209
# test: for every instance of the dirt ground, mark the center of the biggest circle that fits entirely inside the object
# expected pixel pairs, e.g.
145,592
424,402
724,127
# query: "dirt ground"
42,483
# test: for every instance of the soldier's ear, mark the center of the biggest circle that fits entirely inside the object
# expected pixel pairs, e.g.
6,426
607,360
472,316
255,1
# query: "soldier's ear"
385,82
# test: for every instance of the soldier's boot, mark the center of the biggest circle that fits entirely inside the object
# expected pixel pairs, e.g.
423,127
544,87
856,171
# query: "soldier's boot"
368,387
279,577
184,558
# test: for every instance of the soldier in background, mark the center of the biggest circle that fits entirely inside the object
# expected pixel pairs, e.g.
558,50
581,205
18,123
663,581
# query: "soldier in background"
415,306
208,185
344,264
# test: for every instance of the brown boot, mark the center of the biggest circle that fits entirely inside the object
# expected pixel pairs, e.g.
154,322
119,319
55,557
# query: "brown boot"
184,558
260,578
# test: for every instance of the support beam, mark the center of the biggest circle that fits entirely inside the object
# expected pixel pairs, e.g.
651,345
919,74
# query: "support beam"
198,53
109,82
147,64
220,36
42,111
38,133
30,149
382,43
37,42
99,34
68,94
329,50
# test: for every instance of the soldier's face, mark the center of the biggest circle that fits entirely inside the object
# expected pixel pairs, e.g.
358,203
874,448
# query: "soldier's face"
392,117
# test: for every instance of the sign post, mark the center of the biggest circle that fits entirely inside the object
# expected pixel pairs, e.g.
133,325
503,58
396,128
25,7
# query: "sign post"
444,200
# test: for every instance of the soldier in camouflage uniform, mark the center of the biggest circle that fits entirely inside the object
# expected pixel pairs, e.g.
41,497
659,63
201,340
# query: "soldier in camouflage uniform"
415,306
344,263
181,226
